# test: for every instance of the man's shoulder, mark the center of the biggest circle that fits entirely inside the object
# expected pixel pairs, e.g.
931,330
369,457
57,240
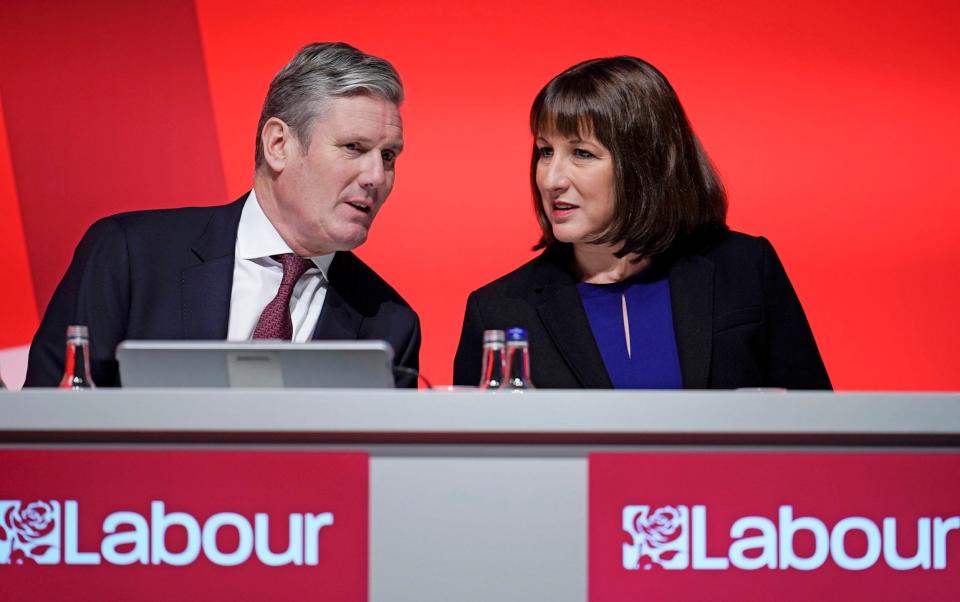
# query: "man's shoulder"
167,228
177,217
354,278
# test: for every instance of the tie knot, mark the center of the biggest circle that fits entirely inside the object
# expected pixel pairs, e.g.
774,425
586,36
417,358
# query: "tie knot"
294,266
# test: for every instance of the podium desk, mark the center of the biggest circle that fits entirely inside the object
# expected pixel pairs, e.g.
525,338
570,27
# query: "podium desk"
475,495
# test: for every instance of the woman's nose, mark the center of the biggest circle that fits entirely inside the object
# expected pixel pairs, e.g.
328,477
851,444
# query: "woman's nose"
554,176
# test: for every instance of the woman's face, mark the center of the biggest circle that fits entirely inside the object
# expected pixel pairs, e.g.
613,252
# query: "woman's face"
575,178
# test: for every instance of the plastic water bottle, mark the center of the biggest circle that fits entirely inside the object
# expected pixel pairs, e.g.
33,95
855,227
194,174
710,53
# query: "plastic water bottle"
494,362
518,360
76,372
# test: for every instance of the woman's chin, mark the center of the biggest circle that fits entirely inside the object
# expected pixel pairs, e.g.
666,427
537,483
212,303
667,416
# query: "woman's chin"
567,235
575,236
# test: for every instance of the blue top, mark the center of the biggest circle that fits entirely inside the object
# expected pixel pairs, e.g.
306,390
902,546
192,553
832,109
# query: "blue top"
643,353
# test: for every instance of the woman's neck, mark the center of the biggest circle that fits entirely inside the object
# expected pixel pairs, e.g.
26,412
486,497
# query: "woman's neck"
597,264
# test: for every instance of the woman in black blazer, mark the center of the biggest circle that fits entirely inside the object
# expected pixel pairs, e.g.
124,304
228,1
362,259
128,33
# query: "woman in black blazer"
640,284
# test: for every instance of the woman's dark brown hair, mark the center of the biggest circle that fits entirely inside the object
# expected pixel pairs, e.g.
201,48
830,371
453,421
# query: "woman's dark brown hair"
666,188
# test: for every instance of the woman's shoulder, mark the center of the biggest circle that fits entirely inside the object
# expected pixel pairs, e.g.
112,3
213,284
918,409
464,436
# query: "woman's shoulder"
547,267
519,277
737,260
721,245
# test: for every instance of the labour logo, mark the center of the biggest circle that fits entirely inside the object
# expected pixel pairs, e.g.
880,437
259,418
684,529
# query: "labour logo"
29,534
659,538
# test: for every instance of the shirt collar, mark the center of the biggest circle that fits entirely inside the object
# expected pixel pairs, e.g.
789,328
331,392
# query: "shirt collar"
257,238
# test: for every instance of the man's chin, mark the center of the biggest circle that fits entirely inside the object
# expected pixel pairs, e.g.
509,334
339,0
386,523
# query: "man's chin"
344,239
350,242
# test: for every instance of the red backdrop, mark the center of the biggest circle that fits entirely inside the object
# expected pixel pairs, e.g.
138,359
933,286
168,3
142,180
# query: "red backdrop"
831,126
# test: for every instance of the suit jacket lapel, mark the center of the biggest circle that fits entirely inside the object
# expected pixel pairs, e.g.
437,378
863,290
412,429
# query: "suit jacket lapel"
691,298
565,320
206,285
339,318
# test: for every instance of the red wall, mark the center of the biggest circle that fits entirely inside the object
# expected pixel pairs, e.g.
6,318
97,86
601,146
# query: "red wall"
831,125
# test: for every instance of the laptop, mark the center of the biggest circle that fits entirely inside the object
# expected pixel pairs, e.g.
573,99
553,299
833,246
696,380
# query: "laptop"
277,364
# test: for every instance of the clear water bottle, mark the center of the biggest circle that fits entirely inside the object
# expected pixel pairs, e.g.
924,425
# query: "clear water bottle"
494,361
76,372
518,360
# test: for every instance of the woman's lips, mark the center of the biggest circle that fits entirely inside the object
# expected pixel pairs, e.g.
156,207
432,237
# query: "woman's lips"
561,209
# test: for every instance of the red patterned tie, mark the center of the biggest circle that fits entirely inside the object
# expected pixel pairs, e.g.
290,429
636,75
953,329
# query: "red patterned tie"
274,322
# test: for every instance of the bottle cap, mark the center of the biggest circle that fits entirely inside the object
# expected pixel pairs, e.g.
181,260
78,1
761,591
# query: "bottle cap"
492,336
517,334
78,332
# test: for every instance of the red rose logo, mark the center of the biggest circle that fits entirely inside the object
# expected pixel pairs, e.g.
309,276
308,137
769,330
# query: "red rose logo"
662,527
32,522
29,534
659,537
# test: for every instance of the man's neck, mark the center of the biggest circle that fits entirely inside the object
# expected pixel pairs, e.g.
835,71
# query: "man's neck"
263,185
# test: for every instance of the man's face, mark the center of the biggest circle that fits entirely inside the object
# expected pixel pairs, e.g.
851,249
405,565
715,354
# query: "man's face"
328,194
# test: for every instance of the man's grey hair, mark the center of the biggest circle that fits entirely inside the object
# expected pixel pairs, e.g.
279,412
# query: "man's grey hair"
317,74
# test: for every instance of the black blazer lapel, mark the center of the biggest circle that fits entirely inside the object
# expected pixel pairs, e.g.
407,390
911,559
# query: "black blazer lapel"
691,297
206,286
561,311
339,318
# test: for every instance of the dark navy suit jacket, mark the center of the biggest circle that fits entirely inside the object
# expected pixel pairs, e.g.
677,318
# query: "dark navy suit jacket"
736,318
168,274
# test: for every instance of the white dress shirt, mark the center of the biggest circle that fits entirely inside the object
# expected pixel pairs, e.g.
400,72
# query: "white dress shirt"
256,278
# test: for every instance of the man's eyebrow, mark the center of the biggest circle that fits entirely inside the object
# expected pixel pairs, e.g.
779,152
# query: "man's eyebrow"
353,137
371,142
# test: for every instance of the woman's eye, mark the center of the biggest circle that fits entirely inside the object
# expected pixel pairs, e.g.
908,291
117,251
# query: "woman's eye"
583,154
353,147
545,152
388,157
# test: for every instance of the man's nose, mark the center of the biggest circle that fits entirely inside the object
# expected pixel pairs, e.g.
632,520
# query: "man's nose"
373,173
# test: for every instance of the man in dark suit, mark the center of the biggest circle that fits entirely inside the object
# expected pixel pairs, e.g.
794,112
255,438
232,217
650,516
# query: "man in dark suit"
276,263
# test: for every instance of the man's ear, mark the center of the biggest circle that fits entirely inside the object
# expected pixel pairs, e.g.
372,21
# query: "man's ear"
278,142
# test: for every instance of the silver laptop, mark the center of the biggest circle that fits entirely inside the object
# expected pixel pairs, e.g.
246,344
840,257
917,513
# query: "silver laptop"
364,364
